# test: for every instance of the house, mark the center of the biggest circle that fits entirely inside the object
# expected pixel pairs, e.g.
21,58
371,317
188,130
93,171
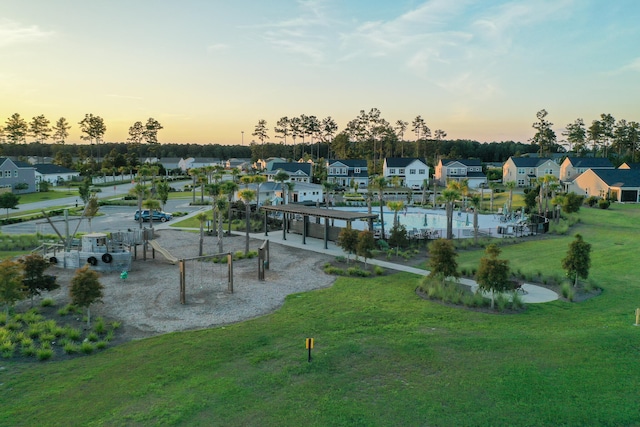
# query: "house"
459,169
17,175
571,167
628,165
524,171
298,172
348,173
622,185
242,164
54,174
411,172
272,192
267,164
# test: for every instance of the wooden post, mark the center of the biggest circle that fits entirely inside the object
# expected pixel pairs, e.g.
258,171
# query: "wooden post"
183,297
230,272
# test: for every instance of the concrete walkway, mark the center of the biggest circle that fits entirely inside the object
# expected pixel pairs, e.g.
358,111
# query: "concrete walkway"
533,294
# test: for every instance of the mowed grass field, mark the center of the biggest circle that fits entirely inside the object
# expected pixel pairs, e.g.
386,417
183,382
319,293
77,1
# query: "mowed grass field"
382,356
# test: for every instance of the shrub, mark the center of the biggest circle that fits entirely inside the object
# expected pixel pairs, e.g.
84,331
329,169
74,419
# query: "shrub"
99,326
101,345
604,204
47,302
44,354
567,291
115,324
358,272
591,201
341,259
93,337
70,348
73,334
3,318
28,350
86,347
502,301
329,269
383,245
377,270
7,348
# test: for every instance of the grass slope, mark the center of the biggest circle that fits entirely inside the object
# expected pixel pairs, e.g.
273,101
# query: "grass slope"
383,356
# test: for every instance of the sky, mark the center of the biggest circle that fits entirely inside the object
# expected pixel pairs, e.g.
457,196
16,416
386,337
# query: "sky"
209,70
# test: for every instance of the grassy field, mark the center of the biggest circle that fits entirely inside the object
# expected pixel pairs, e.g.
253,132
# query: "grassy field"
383,357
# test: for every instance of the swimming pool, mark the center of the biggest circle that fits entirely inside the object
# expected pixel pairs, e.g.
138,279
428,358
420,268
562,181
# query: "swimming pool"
413,218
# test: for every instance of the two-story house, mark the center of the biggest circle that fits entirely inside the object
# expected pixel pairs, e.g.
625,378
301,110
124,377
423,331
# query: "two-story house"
459,169
571,167
348,173
524,171
410,172
298,172
17,175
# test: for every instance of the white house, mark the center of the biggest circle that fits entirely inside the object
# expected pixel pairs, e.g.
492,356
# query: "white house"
54,174
298,172
348,172
411,172
524,171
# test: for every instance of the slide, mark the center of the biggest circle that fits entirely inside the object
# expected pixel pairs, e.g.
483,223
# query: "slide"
165,253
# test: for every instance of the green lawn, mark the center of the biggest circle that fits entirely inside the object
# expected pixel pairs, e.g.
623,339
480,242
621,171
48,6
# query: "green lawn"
49,195
383,357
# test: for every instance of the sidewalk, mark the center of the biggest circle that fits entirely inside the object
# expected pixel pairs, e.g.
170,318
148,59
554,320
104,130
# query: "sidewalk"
534,294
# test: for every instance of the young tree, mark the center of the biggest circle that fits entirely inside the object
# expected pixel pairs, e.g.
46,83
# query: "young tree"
86,289
141,192
398,237
260,132
449,196
380,183
578,259
91,209
366,244
228,188
493,273
9,201
202,218
85,190
163,189
395,206
61,130
348,241
11,289
152,205
442,259
136,133
34,279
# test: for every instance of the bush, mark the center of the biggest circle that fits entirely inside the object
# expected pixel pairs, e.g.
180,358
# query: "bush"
604,204
377,270
591,201
357,272
567,291
86,347
44,354
47,302
329,269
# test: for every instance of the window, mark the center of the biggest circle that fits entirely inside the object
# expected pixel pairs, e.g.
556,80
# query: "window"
332,171
7,174
392,171
412,171
401,171
521,183
521,171
356,170
421,171
15,173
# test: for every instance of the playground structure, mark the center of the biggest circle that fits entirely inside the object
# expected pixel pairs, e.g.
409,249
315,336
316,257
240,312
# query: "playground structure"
188,272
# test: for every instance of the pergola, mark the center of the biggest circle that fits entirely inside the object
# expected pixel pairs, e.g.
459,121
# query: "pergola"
307,211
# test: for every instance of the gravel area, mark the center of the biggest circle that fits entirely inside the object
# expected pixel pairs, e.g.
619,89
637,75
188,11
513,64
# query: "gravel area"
147,303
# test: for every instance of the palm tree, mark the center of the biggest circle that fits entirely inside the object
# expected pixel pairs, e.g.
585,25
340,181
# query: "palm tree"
152,205
229,188
281,176
194,175
221,204
379,183
258,180
213,191
396,207
202,217
492,186
141,192
448,197
510,186
247,196
327,186
476,202
290,186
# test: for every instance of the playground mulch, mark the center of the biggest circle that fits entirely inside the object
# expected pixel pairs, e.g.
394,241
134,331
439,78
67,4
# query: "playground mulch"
147,302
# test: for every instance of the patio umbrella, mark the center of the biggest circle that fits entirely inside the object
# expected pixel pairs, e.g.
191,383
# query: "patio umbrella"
425,220
467,221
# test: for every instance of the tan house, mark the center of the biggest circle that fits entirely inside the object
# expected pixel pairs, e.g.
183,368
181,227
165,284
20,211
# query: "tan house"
571,167
524,171
622,185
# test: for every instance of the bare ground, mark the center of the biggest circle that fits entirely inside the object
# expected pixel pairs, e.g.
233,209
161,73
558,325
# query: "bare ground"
147,303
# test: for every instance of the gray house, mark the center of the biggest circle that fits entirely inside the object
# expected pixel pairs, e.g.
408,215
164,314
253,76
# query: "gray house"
17,175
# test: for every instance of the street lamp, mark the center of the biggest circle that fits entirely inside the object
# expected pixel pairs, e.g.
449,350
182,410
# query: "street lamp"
242,132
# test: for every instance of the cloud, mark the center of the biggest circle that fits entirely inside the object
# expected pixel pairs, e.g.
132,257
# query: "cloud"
215,47
12,33
632,66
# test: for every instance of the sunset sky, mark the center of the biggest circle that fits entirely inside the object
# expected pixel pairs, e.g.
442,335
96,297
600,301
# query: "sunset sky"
208,70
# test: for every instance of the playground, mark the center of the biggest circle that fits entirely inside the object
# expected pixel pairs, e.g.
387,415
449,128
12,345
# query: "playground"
147,302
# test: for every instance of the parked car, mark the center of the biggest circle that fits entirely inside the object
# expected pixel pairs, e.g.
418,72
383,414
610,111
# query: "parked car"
157,216
416,187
